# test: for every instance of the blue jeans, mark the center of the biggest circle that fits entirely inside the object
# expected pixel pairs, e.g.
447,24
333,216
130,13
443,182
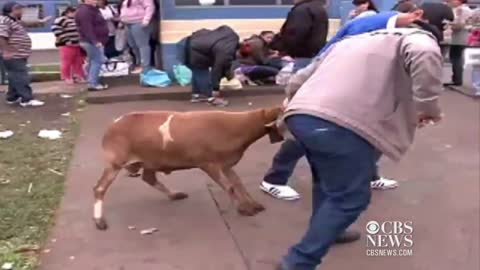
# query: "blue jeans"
201,82
342,165
261,72
18,80
96,58
290,152
139,41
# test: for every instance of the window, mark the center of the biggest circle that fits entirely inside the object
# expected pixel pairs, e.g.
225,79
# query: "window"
252,2
197,2
232,2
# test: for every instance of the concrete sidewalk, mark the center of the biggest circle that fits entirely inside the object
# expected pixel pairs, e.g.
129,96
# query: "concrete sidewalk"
439,192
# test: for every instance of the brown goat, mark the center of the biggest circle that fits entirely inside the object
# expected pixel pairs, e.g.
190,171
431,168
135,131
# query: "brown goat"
166,141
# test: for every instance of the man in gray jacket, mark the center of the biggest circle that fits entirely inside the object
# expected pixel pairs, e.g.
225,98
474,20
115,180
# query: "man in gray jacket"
346,125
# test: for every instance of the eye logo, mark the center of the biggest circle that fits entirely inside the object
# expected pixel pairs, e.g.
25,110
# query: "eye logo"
373,227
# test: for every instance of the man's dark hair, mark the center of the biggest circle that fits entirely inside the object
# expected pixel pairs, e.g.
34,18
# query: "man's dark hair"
406,7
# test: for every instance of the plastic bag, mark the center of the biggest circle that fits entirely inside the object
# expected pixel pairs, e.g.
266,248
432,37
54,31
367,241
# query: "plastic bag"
284,75
155,78
182,74
233,84
120,39
115,69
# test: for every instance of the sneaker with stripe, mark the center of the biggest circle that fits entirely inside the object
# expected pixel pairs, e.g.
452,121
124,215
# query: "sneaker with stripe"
384,184
281,192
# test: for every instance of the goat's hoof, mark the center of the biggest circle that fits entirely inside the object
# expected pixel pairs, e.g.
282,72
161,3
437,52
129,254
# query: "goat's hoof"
134,175
247,209
258,206
101,224
178,196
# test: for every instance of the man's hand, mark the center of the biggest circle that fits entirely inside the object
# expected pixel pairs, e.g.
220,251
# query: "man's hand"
285,104
99,45
7,54
424,120
45,20
145,24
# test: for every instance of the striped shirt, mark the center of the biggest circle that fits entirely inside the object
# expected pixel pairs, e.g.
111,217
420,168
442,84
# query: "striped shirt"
65,30
17,37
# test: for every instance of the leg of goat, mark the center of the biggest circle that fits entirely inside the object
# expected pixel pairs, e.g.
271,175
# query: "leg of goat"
150,178
109,175
245,207
238,185
134,169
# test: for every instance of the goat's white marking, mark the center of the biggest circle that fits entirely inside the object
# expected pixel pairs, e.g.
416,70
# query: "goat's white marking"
118,119
97,209
165,131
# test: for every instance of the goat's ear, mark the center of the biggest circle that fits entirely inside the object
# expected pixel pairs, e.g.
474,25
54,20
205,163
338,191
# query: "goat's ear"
273,132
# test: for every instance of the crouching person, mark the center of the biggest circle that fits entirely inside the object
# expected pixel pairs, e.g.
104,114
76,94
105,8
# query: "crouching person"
209,54
344,133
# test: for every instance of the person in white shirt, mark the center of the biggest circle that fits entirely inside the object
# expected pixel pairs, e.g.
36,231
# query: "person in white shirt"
111,15
459,40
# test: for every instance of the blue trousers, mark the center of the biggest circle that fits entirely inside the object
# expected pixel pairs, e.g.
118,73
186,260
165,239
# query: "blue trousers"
290,152
18,80
342,165
96,58
139,41
201,82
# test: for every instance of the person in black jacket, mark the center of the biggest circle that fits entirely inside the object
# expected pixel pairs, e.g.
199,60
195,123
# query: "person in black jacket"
437,14
304,32
214,49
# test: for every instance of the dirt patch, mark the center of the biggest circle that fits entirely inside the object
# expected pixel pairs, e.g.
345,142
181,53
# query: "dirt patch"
32,175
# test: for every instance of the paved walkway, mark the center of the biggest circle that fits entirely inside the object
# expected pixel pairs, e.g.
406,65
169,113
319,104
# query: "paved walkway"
439,192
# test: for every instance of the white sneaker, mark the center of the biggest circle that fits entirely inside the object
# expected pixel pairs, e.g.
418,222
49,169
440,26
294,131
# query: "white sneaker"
280,192
32,103
384,183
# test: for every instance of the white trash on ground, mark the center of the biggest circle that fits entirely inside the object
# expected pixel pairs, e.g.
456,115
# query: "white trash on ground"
148,231
7,266
6,134
66,96
233,84
50,134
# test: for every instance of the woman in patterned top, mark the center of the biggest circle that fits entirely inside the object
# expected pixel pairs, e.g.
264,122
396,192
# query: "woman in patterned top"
71,54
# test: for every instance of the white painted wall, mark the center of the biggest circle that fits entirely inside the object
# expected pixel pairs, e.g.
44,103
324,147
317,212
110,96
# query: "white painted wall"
42,41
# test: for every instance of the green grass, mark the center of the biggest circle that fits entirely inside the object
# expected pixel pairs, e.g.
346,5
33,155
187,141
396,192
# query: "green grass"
26,218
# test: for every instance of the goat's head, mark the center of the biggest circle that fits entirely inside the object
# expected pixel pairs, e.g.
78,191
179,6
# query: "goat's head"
272,117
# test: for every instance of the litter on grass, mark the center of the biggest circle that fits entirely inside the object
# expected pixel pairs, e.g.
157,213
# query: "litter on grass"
7,266
65,96
6,134
55,172
50,134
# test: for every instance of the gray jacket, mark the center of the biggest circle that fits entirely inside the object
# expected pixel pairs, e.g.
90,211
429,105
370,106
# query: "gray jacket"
373,84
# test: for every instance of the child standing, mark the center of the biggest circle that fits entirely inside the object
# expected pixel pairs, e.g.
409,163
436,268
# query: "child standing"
71,54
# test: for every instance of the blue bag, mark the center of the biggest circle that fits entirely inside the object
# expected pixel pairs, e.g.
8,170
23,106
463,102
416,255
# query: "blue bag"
155,78
182,74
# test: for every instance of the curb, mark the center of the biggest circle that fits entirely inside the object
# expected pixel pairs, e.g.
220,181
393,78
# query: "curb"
179,95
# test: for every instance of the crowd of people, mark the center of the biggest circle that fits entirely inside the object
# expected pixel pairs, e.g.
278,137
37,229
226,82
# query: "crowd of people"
94,32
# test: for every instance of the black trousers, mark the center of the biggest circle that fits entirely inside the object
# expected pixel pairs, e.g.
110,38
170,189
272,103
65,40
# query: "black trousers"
18,80
456,58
